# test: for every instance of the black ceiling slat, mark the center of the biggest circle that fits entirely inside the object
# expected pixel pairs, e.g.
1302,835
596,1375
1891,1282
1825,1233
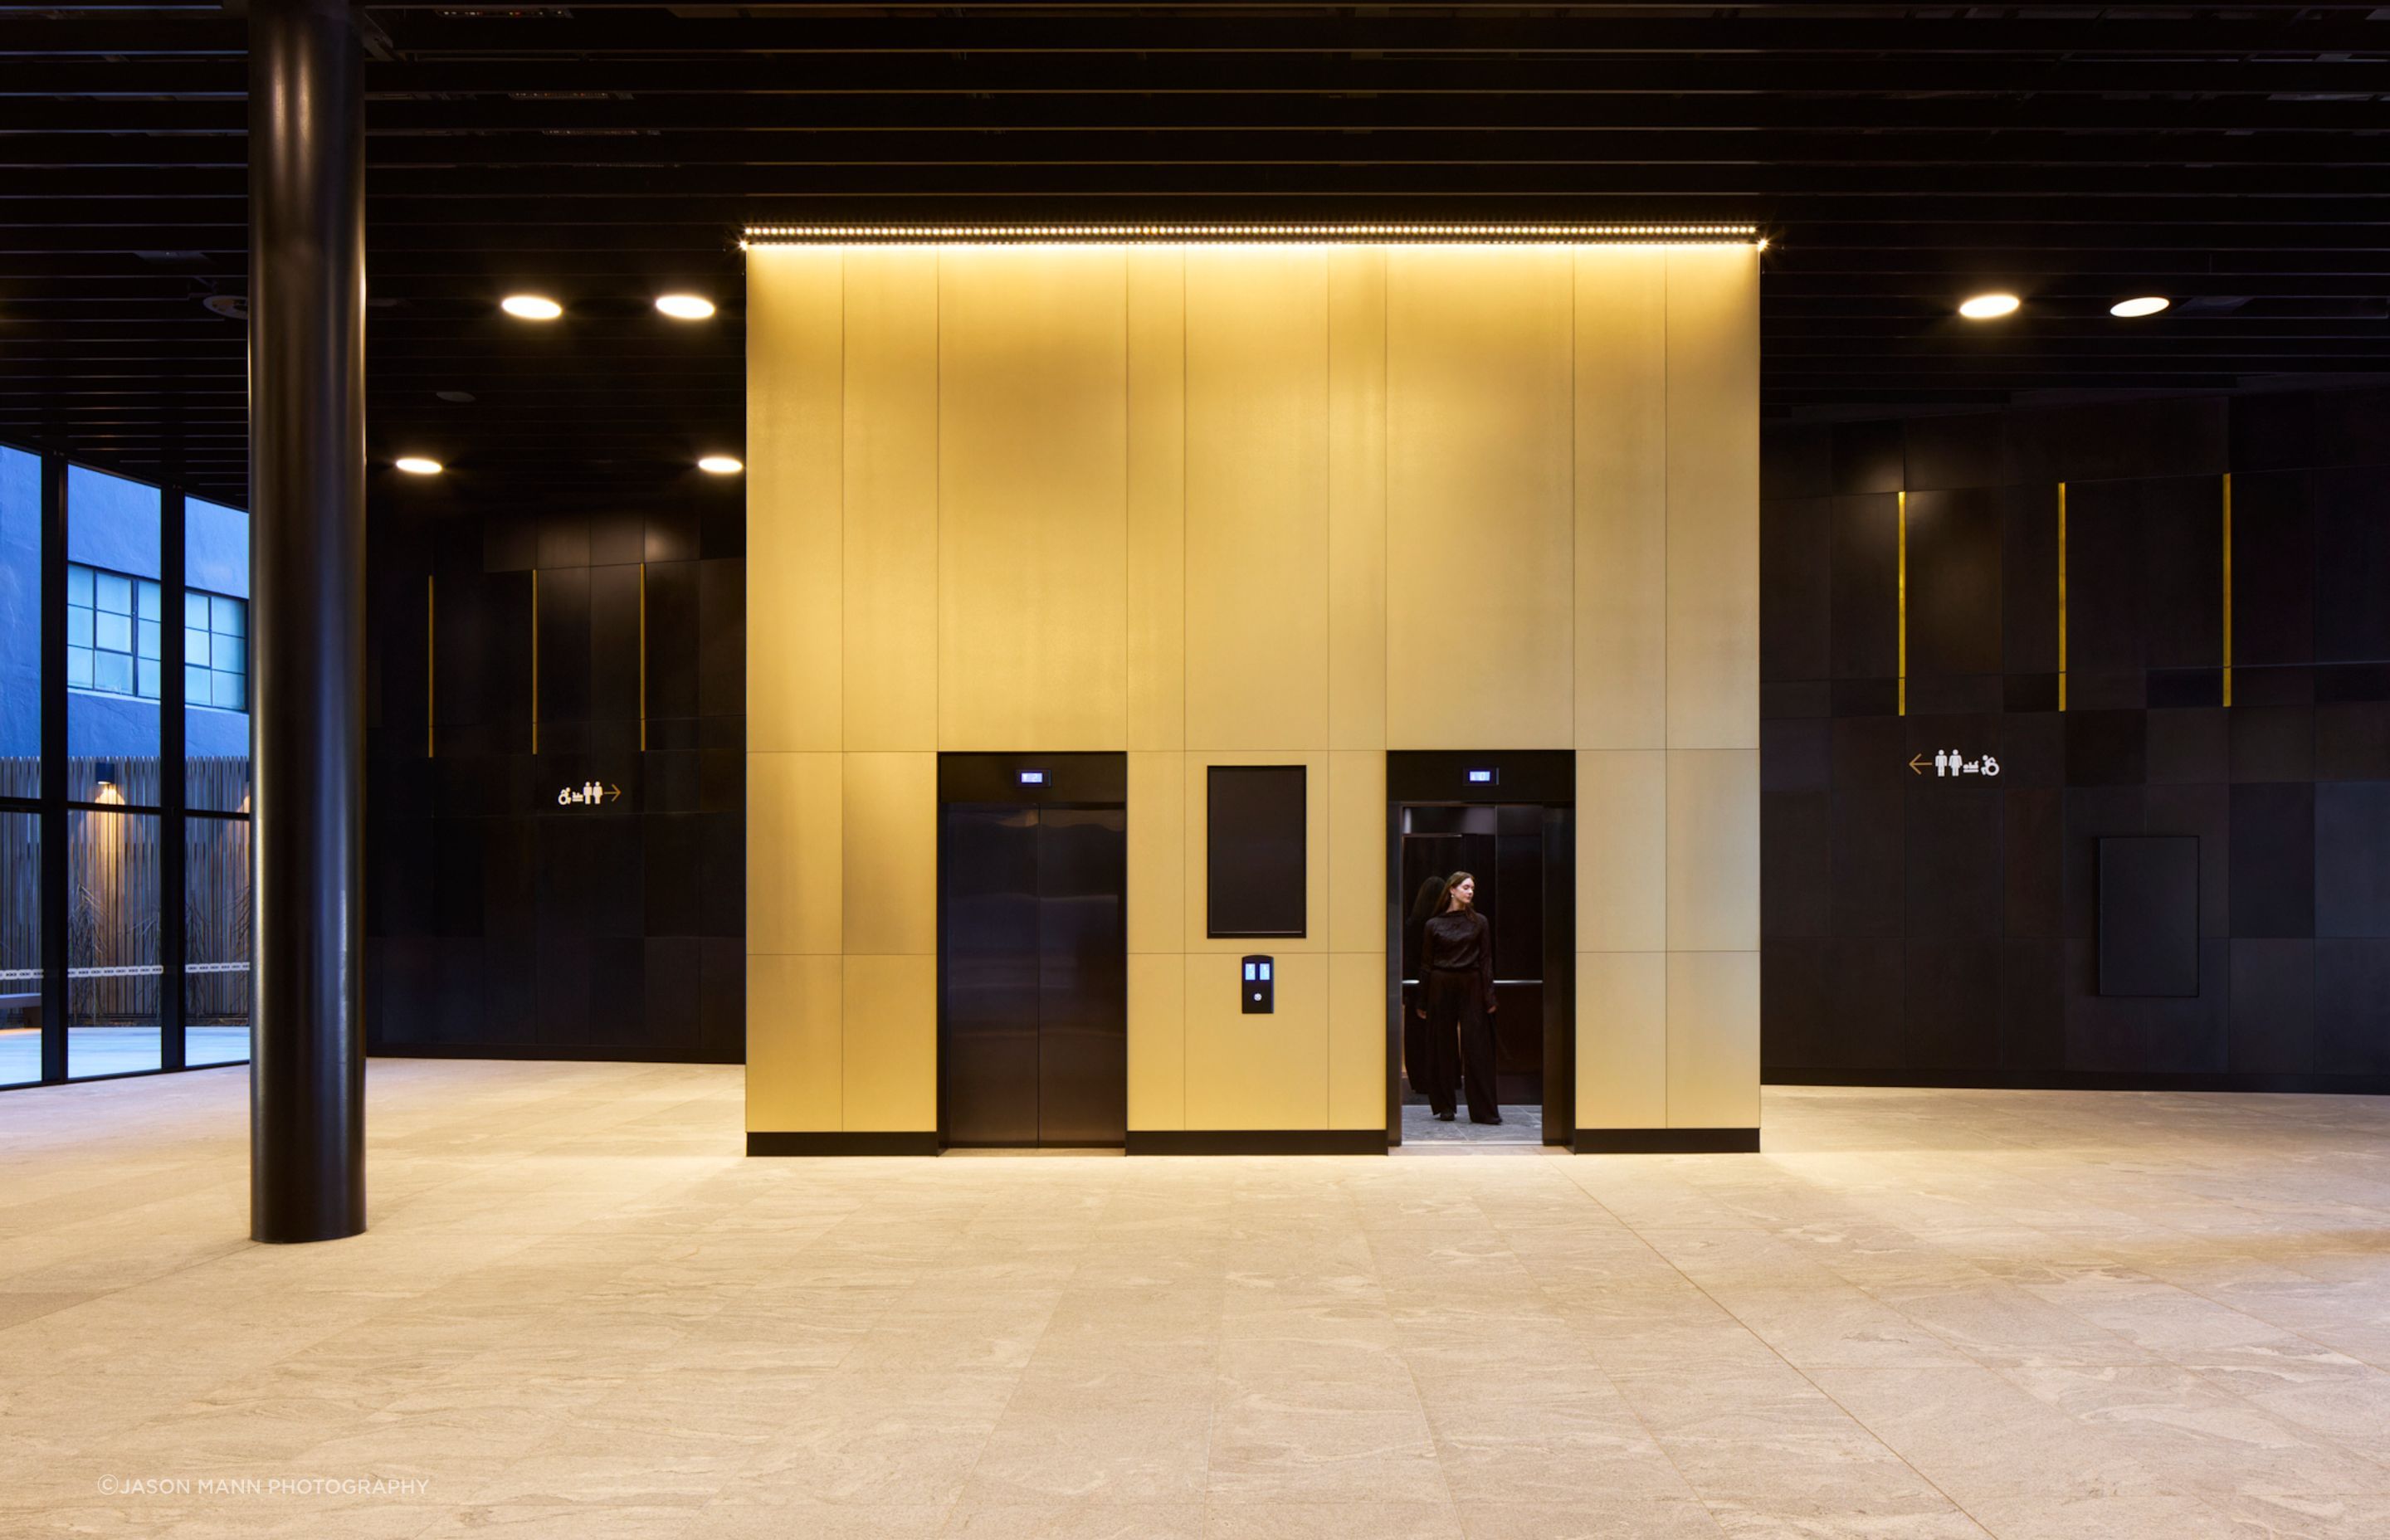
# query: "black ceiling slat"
1901,157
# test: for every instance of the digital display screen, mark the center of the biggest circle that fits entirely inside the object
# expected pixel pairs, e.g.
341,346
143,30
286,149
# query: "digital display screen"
1253,971
1480,777
1033,778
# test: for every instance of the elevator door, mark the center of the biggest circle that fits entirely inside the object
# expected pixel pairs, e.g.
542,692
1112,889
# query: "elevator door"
1034,1023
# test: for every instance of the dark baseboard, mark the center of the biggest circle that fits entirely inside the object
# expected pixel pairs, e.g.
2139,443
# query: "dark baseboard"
2080,1079
922,1143
1258,1141
1667,1141
569,1053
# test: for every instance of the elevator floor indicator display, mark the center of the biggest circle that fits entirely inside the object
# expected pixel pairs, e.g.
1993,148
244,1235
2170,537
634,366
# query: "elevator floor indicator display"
1260,993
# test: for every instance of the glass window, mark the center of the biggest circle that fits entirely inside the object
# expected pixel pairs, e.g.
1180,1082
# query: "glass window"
112,968
222,651
20,766
215,655
215,901
123,624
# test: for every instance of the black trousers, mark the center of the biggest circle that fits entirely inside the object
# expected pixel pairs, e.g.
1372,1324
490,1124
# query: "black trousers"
1459,1046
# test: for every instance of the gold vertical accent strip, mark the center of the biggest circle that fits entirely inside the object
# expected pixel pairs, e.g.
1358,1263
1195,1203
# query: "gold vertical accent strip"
431,657
1904,603
2227,588
2062,596
643,657
534,660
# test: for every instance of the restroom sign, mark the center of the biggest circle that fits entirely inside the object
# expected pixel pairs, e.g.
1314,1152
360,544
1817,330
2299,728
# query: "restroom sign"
1953,761
587,794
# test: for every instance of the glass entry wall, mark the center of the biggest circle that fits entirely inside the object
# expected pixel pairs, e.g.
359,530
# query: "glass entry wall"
115,683
215,784
1508,821
22,651
124,787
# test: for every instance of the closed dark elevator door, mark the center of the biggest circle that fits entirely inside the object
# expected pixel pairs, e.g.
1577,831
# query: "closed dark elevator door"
1033,1040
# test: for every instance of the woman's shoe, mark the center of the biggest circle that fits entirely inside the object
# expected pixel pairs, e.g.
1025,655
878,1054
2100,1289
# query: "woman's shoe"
1443,1117
1488,1122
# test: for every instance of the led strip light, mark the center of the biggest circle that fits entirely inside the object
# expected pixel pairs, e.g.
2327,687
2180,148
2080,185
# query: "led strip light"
802,235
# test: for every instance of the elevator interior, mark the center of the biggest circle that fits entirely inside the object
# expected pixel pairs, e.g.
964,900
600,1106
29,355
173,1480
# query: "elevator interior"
1509,820
1033,943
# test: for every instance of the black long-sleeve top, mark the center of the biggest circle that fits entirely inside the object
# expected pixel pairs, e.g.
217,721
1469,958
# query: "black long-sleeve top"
1458,940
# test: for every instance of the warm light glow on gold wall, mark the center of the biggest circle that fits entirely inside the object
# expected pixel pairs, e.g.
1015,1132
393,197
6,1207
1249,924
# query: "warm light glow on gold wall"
1197,234
1201,494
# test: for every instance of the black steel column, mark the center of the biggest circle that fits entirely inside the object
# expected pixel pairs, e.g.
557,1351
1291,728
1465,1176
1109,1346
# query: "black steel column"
173,944
55,909
306,461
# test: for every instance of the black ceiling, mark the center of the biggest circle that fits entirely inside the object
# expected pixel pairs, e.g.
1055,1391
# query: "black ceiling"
1901,156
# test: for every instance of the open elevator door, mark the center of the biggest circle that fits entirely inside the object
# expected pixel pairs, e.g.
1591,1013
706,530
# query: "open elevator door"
1510,819
1033,950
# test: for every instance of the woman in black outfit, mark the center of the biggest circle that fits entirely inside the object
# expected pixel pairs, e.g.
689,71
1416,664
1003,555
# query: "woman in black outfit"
1457,964
1415,1054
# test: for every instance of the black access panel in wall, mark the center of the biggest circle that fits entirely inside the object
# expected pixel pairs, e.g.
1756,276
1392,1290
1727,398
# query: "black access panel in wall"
2149,915
1255,864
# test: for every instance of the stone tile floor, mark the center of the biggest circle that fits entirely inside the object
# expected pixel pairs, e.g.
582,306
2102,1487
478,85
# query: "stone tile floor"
581,1313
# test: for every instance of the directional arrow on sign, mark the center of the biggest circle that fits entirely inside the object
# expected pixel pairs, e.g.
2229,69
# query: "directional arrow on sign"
1916,765
612,791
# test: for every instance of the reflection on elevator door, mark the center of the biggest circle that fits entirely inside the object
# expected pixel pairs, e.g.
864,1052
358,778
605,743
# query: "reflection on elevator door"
1033,1026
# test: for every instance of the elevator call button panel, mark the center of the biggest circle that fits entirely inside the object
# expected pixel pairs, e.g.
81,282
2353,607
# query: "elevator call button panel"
1261,993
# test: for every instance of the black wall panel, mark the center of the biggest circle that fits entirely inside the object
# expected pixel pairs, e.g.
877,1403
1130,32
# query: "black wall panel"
2351,858
2273,860
499,920
2149,916
1930,932
2351,512
1954,582
1866,587
1796,567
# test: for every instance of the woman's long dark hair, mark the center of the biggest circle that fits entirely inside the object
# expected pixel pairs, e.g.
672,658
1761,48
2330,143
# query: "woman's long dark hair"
1455,881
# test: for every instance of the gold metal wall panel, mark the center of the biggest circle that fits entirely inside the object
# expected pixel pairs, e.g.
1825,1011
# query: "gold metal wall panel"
891,526
1157,853
795,871
891,1058
1357,851
890,853
1621,498
1256,497
1356,1039
1713,874
795,1080
1622,1040
795,441
1712,394
1713,1040
1248,505
1033,471
1157,498
1357,498
1479,503
1157,1039
1622,850
1257,1071
1317,856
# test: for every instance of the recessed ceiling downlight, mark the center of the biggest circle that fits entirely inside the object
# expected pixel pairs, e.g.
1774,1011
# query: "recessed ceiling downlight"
685,307
1985,307
415,465
720,464
530,307
2148,305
